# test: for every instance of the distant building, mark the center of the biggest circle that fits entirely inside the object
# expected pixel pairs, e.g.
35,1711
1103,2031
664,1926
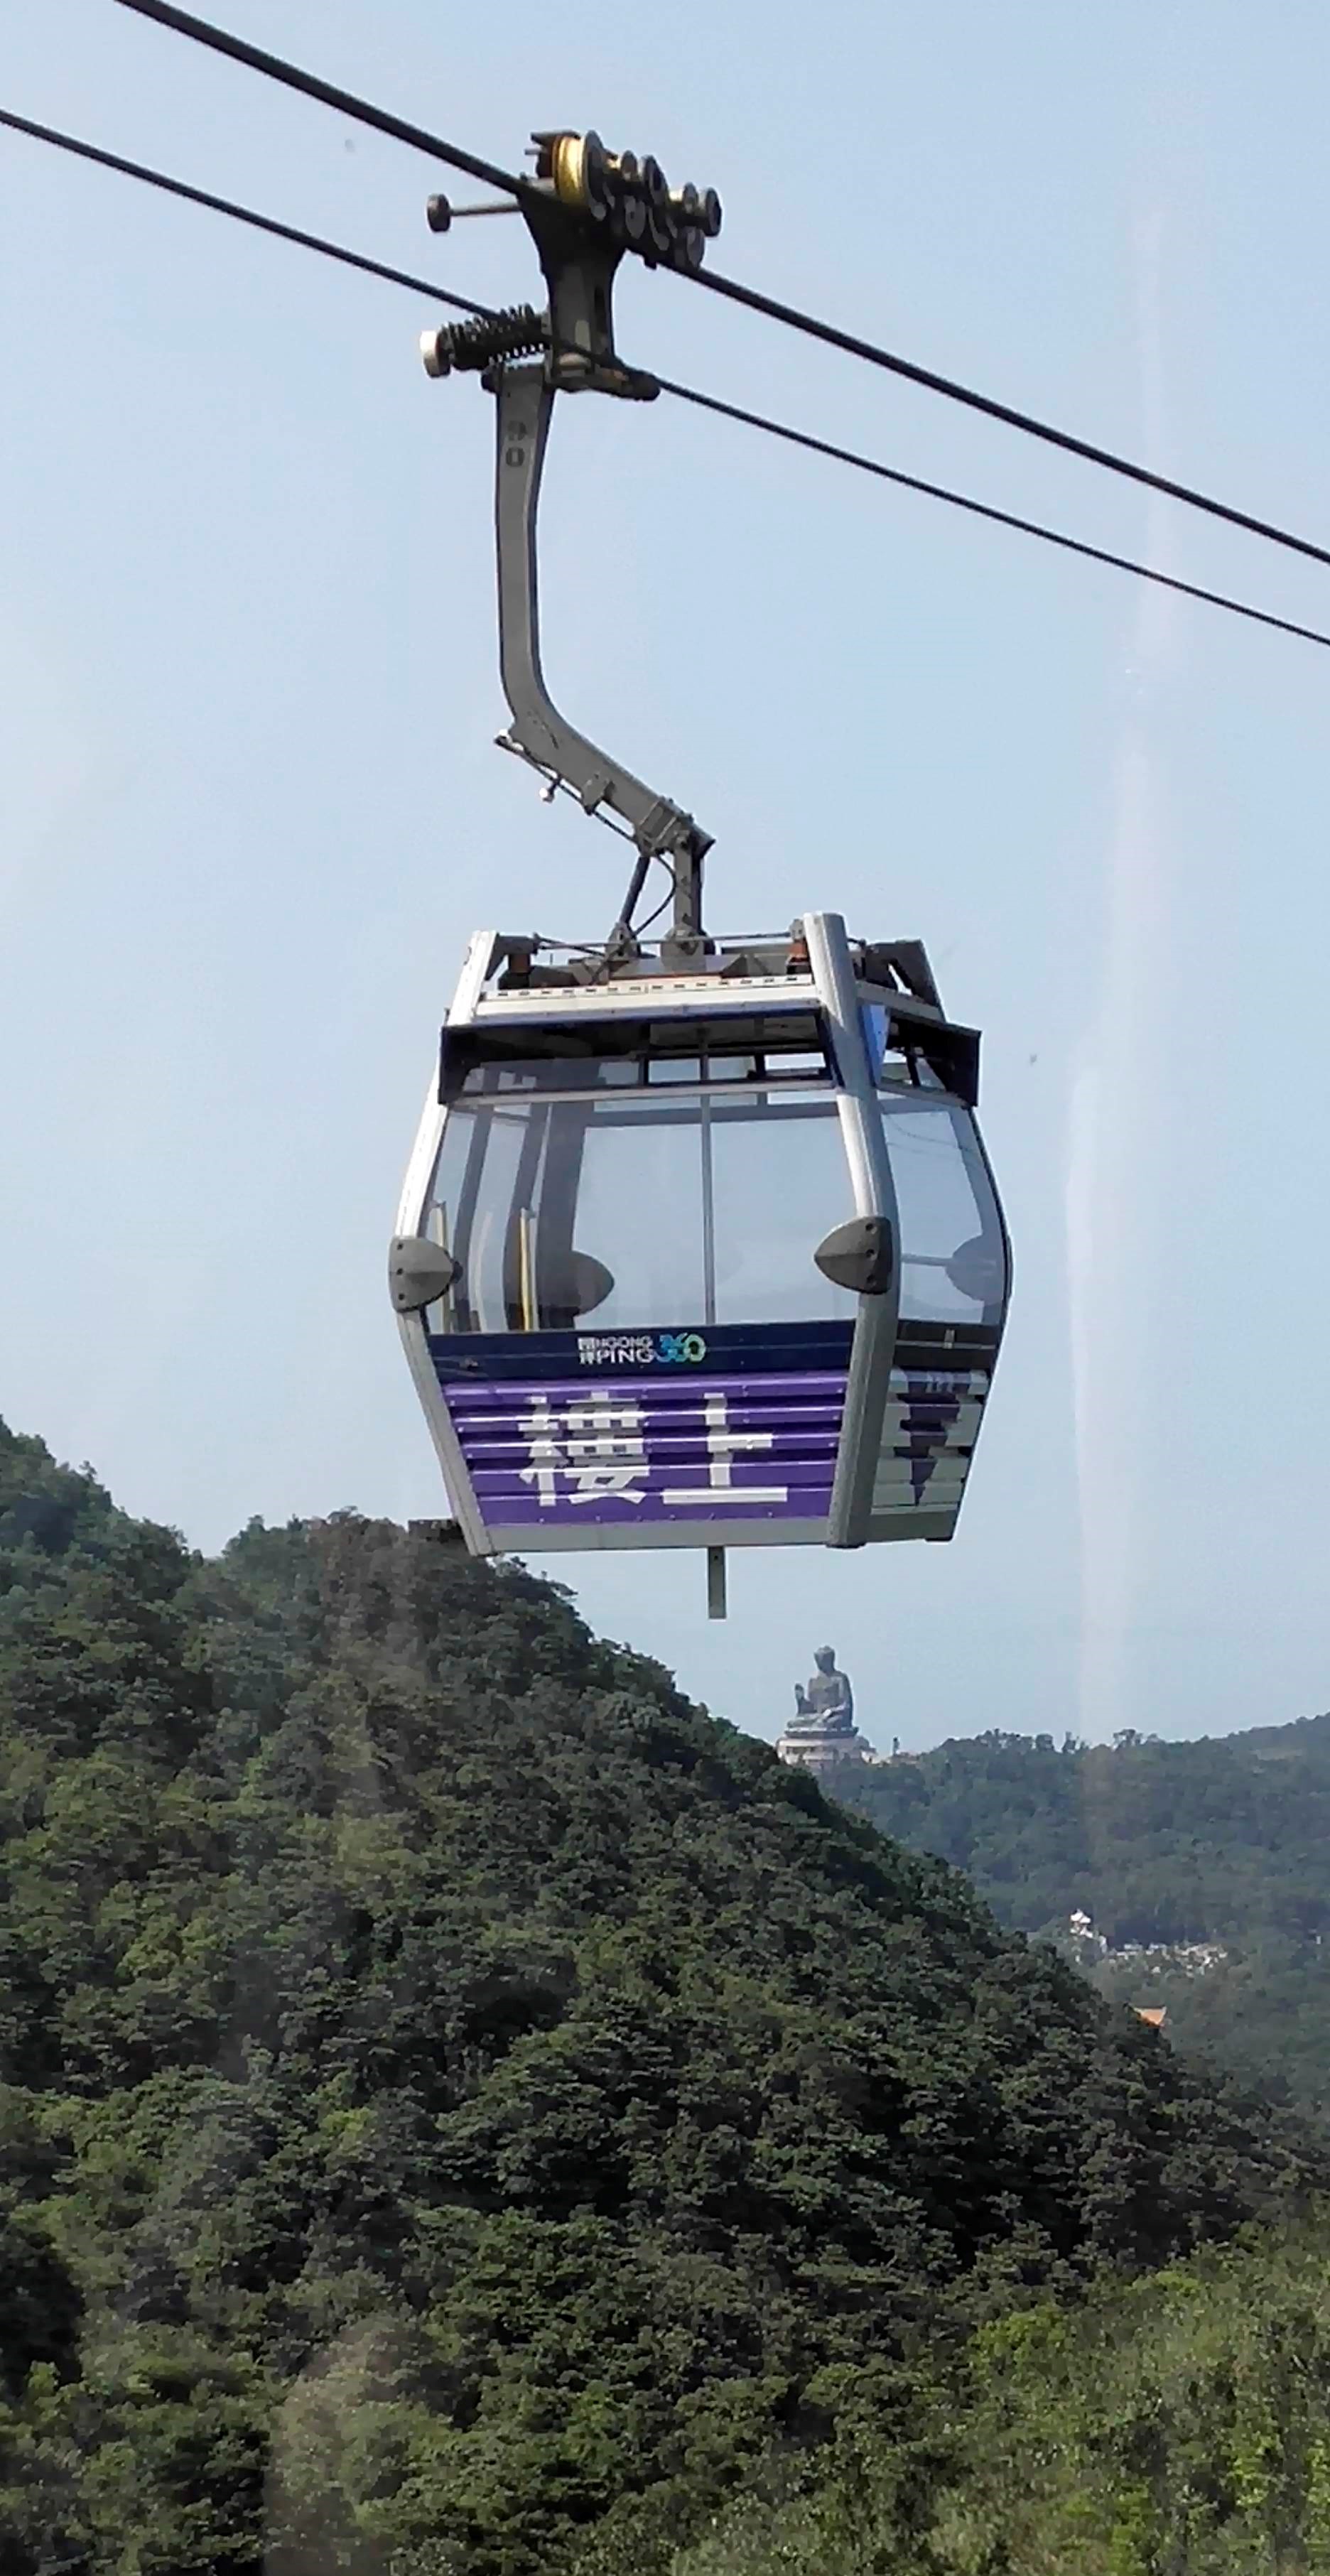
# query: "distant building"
1155,2014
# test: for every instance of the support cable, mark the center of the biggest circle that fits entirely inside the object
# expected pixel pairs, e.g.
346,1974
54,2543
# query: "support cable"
987,510
802,438
202,31
1005,412
361,111
238,214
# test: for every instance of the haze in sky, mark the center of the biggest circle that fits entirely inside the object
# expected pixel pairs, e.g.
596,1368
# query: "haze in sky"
249,811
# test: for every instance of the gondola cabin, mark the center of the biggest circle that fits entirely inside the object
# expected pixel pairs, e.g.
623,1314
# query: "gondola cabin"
709,1258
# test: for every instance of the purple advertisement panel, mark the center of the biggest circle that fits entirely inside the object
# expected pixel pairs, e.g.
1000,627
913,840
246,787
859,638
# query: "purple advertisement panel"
713,1447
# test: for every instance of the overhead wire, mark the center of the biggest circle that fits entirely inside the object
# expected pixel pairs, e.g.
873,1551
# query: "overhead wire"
150,178
360,111
954,391
737,412
986,510
202,31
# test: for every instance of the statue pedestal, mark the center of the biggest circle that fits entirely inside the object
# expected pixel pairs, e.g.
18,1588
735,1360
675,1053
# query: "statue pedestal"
824,1752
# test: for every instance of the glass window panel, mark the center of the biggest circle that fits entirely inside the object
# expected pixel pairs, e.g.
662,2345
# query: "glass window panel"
640,1211
780,1184
952,1254
681,1051
553,1073
476,1188
802,1067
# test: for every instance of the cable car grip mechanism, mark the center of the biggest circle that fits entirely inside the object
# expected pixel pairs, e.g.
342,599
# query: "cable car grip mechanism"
584,209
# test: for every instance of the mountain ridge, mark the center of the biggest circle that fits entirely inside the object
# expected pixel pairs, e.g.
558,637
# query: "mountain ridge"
460,2102
1168,1846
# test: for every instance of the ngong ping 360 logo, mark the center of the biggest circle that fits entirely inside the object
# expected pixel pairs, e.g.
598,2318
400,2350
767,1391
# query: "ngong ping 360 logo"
628,1350
681,1347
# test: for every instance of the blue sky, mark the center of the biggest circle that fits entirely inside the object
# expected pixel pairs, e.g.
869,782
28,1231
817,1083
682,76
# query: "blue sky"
249,812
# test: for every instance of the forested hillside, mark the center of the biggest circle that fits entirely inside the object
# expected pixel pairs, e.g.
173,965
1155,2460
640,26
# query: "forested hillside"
1219,1842
464,2109
1174,2426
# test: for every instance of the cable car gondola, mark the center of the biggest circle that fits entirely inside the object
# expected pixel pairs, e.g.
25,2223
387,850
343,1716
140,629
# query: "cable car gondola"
698,1244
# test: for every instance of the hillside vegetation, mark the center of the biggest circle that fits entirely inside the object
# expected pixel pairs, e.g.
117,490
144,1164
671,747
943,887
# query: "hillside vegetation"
1176,2426
1220,1841
466,2112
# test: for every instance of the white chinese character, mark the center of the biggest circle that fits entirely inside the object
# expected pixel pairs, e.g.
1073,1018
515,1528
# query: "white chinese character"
538,1429
603,1458
590,1451
722,1445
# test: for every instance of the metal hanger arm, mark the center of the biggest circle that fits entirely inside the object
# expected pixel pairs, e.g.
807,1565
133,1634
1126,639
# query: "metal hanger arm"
525,404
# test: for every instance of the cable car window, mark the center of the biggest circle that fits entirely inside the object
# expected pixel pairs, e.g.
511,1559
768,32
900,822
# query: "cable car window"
596,1056
639,1214
953,1258
546,1073
477,1184
780,1184
639,1210
807,1067
674,1069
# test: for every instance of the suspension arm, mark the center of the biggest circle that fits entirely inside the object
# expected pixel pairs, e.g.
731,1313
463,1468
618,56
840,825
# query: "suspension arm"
525,404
